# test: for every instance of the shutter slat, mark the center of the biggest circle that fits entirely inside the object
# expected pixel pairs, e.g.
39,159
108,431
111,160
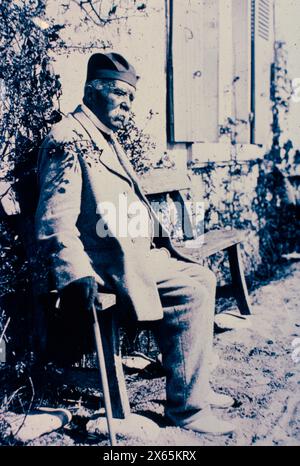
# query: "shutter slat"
262,37
265,2
263,18
263,9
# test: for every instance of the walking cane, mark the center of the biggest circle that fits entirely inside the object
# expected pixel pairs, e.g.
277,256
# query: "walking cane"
103,375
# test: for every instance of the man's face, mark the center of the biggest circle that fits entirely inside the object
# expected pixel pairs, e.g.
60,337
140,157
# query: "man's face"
112,104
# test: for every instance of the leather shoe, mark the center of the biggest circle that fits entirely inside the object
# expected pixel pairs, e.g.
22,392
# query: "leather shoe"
208,423
219,400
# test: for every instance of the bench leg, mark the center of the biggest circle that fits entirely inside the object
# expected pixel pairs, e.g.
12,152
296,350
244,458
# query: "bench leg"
239,285
113,361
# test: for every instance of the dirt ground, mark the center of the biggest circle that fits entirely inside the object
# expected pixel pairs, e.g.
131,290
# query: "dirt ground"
258,367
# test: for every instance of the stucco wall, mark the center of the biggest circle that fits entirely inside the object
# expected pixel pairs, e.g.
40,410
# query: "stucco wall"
287,13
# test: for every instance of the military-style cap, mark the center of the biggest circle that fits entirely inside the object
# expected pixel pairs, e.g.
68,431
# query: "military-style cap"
111,66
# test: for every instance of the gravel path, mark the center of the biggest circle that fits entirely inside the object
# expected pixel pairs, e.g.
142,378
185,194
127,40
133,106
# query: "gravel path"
258,367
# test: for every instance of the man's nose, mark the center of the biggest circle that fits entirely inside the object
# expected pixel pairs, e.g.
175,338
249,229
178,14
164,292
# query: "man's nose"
126,104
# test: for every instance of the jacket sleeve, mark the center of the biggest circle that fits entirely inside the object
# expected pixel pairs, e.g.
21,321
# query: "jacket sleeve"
60,182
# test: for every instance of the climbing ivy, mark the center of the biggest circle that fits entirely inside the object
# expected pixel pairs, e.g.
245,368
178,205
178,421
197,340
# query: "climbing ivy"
29,105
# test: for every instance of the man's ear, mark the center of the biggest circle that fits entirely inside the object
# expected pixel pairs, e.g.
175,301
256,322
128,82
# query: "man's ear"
88,93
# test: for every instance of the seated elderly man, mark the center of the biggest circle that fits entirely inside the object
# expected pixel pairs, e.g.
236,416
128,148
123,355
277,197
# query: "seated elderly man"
84,177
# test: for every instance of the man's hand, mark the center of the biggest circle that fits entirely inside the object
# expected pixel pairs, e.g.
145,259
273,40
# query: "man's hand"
82,293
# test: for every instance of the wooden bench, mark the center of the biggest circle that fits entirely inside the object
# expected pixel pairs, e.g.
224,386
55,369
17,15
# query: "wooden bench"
228,241
175,184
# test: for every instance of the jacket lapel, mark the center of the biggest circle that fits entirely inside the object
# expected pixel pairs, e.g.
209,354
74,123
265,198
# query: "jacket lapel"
127,166
105,153
137,186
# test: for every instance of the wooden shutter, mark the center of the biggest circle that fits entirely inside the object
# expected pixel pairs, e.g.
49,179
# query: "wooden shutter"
241,28
186,69
262,58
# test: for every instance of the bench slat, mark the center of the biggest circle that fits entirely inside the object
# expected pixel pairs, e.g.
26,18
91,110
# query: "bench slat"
214,241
